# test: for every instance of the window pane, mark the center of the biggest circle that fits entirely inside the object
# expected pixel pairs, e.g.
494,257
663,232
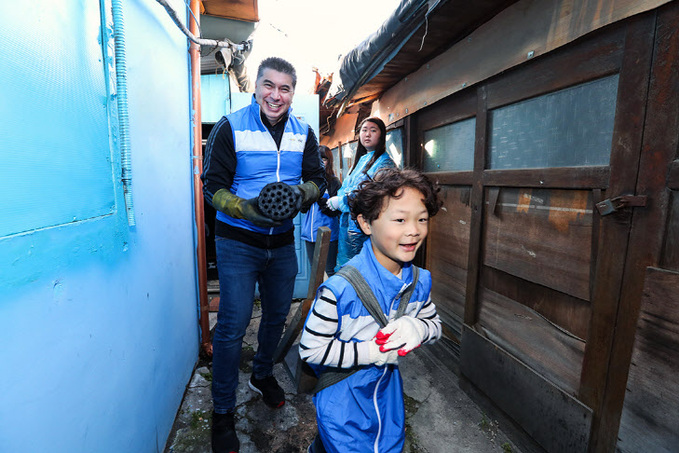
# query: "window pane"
395,146
336,162
450,147
348,153
567,128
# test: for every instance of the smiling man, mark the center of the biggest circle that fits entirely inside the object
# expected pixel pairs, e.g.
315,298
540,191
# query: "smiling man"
246,150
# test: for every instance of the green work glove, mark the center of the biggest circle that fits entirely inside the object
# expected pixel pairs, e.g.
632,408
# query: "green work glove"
240,208
307,194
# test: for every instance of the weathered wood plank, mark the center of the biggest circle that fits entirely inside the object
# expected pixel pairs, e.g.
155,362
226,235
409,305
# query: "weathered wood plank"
652,106
610,303
317,275
507,41
476,220
457,178
651,410
670,255
542,236
550,178
673,176
568,312
448,242
552,352
559,422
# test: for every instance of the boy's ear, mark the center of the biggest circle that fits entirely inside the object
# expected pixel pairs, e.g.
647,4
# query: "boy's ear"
363,224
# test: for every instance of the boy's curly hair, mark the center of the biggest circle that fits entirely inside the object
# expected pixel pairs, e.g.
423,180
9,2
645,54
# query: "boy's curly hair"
369,198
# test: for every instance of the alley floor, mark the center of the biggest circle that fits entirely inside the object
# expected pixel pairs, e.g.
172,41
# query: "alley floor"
440,416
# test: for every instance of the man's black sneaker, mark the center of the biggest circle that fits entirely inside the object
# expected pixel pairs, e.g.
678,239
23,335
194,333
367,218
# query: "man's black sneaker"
224,438
272,394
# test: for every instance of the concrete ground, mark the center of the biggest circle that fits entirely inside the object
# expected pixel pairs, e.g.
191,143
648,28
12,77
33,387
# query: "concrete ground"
440,417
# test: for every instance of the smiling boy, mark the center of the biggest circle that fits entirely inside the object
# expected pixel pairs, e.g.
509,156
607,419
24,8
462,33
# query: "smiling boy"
364,411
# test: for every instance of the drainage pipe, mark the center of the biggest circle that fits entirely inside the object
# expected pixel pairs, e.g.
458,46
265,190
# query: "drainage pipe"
191,34
197,159
123,112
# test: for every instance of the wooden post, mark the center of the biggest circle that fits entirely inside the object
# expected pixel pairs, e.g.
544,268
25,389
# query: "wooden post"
295,327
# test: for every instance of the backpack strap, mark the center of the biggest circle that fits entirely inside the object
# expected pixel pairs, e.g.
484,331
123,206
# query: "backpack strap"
334,375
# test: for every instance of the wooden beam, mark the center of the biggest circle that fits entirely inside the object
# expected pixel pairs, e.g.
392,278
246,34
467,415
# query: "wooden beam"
525,30
550,178
615,228
476,227
317,275
673,176
659,147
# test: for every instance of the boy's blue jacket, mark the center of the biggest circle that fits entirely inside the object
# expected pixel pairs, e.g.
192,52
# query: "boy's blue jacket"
365,411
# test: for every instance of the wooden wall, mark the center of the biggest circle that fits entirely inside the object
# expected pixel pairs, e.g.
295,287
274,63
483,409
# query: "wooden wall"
543,291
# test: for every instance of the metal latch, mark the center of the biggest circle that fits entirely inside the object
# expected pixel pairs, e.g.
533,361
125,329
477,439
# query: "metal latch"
610,205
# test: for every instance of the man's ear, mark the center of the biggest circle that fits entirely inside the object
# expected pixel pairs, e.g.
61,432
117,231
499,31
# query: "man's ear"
363,224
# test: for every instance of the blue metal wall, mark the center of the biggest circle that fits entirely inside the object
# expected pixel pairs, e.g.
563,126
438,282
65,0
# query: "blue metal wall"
98,320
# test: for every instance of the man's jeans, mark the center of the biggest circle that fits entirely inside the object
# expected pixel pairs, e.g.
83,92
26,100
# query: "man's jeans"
240,266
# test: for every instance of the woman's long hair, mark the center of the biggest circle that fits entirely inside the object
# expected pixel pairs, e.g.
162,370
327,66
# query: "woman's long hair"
380,149
327,153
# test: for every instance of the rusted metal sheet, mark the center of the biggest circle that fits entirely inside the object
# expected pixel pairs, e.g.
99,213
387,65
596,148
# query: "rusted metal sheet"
650,414
521,32
559,422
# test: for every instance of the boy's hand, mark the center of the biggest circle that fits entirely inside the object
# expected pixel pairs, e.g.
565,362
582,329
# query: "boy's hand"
380,358
404,334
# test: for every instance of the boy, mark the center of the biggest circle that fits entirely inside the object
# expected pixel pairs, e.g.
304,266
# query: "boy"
364,412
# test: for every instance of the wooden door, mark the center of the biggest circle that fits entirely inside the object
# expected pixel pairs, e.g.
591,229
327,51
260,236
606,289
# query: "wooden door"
526,270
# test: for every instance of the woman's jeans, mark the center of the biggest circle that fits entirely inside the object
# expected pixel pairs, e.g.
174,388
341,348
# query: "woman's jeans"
350,242
240,266
332,256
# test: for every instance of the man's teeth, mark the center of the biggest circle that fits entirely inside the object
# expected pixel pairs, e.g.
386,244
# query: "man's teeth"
273,106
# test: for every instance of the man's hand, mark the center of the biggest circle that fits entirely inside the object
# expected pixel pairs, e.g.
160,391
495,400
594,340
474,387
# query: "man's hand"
240,208
306,194
404,334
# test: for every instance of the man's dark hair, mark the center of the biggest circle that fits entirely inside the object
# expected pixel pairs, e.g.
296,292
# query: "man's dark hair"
280,65
370,197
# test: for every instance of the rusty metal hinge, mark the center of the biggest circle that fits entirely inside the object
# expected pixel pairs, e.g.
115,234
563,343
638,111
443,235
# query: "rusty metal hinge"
611,205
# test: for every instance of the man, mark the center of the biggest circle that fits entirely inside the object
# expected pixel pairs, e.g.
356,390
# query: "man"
254,146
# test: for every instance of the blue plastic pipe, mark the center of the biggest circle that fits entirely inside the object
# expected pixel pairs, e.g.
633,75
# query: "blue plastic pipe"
123,113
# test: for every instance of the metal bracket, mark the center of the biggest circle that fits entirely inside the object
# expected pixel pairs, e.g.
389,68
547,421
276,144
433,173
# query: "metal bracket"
611,205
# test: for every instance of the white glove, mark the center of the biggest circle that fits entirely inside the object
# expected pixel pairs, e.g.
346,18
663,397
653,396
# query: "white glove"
404,334
380,358
333,203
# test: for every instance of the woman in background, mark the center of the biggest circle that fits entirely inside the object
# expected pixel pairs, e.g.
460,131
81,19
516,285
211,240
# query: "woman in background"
371,156
319,215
